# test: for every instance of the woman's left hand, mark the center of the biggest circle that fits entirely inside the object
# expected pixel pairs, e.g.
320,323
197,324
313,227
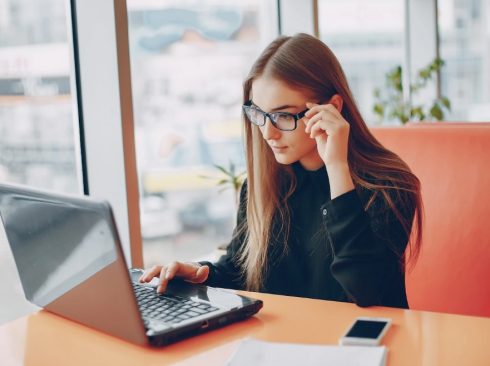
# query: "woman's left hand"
326,125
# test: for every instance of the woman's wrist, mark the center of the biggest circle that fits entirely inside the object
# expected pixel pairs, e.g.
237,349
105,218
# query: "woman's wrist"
340,179
336,167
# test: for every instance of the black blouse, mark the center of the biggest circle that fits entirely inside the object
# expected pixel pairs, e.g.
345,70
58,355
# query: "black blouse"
335,250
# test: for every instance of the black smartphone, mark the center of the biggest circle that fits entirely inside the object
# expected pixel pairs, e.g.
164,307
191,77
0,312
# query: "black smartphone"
366,332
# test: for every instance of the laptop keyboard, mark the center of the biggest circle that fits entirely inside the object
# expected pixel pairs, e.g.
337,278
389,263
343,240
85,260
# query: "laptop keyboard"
168,308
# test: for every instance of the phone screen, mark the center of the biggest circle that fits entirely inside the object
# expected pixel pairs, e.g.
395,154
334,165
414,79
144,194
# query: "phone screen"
366,329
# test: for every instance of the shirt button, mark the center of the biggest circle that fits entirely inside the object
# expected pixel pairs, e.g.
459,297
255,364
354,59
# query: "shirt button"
324,212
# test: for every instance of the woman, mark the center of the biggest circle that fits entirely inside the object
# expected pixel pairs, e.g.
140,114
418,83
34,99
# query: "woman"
326,211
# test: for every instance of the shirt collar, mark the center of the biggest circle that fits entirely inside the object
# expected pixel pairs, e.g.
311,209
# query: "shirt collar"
317,177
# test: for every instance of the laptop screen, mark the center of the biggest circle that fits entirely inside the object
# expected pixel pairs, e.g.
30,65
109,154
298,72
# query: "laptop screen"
57,243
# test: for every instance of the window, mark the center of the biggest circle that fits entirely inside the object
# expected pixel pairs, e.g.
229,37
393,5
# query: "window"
37,129
465,47
367,38
36,109
188,62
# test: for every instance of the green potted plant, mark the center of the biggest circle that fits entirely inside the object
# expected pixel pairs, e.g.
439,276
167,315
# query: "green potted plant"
231,179
390,104
228,178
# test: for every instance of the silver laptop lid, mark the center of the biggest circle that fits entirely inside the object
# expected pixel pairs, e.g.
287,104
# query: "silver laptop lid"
69,259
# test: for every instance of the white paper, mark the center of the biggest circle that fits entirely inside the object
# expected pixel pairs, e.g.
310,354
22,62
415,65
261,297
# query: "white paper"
258,353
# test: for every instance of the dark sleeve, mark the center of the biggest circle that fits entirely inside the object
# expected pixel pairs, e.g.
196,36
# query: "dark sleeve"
368,249
226,272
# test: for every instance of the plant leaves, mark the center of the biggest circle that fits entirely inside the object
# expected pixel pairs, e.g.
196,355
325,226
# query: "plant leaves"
222,181
379,109
222,170
445,102
389,103
394,79
417,112
437,63
436,112
425,73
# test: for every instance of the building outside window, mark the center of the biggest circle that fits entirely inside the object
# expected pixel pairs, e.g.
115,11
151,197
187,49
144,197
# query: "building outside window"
37,128
367,38
37,134
188,62
464,34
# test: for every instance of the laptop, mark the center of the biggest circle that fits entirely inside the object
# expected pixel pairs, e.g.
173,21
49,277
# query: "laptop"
70,262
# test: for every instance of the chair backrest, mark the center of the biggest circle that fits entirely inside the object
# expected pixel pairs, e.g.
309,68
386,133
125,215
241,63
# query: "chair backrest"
452,162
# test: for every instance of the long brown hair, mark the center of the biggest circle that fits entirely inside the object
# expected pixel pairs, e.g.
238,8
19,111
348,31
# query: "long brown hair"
305,63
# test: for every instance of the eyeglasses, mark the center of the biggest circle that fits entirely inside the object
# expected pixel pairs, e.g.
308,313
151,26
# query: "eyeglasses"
281,120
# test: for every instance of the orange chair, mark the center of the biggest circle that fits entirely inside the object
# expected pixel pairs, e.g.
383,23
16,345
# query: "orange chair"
452,162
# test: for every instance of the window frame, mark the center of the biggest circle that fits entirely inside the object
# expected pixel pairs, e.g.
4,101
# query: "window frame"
100,49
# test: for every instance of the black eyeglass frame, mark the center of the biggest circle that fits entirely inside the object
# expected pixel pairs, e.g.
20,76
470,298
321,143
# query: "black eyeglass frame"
273,115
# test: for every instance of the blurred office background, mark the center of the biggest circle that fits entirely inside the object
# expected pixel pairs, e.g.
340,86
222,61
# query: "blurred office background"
188,60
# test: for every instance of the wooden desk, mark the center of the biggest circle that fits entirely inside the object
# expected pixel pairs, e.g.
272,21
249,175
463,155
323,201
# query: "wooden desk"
415,338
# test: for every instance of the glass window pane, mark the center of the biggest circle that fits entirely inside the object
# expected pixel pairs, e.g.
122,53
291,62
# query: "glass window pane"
367,38
188,62
36,109
37,129
465,47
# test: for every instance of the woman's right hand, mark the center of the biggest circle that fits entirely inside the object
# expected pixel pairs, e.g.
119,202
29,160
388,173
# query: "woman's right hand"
189,271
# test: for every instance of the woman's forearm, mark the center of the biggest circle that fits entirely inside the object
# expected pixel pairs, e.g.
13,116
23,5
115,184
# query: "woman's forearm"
340,180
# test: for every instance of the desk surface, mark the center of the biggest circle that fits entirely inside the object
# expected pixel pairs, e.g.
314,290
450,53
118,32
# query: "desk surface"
415,338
